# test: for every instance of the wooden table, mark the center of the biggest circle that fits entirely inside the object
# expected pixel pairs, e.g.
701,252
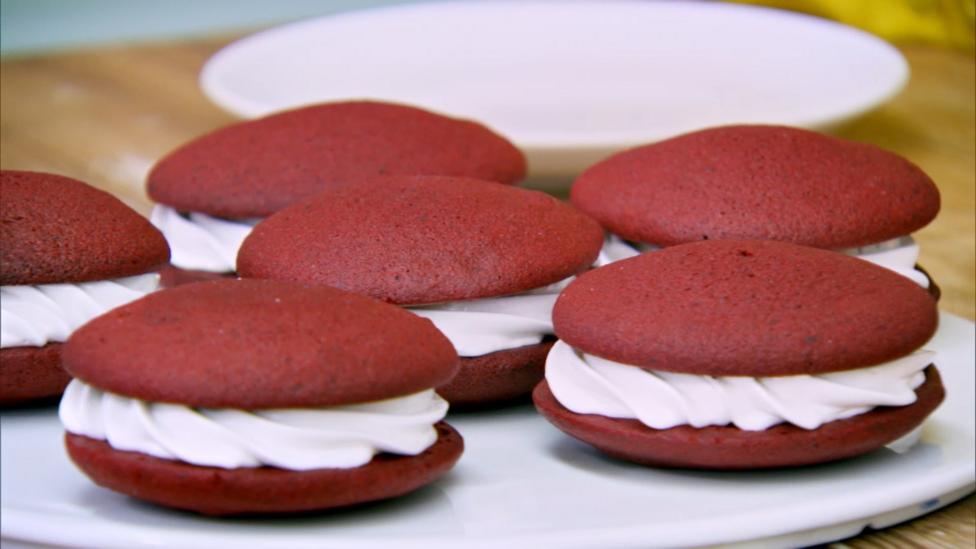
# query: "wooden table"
105,115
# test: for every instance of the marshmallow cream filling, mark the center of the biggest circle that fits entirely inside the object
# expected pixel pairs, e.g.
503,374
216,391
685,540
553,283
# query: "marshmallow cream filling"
587,384
32,316
616,249
297,439
199,241
898,254
481,326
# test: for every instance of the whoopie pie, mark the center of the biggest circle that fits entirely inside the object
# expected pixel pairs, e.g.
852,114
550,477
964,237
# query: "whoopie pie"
213,189
767,183
68,253
739,355
255,396
483,261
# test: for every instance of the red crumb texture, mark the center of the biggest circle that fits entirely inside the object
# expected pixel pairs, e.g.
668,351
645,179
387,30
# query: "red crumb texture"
257,167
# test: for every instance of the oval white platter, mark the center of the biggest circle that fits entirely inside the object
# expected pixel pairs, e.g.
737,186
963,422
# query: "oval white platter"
523,484
568,82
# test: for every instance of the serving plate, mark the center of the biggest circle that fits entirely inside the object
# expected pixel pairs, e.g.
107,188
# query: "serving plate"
523,484
568,82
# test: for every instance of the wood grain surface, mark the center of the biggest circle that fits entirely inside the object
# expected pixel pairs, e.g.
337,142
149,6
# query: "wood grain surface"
105,115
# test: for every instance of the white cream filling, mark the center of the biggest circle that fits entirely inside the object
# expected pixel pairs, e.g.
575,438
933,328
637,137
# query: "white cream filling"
615,249
33,316
202,242
481,326
588,384
297,439
898,254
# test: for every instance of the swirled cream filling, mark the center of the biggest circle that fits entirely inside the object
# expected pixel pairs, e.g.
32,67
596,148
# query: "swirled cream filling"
898,254
297,439
202,242
588,384
32,316
481,326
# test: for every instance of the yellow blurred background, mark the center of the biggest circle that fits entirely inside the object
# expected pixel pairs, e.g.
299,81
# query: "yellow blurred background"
941,22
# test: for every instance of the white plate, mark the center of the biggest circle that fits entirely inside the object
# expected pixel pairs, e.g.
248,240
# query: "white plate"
569,82
521,483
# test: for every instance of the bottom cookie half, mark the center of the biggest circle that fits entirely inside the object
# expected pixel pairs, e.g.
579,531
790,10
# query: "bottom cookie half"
728,447
29,374
261,490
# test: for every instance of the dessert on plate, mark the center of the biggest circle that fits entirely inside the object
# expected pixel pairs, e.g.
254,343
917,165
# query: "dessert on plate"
483,261
253,396
740,354
68,253
767,183
212,190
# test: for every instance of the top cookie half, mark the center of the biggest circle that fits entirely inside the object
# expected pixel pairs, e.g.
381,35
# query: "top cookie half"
58,229
255,168
758,182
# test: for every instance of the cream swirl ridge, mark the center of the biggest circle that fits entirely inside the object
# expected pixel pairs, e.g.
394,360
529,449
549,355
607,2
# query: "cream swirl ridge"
32,316
199,241
296,439
898,254
587,384
481,326
615,249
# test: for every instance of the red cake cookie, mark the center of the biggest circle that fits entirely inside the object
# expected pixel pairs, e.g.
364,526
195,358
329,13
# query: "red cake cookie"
257,167
213,189
764,182
740,354
68,252
259,396
483,261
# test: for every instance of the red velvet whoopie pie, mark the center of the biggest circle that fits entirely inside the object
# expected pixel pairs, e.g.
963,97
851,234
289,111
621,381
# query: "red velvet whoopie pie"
68,252
254,396
765,183
483,261
740,355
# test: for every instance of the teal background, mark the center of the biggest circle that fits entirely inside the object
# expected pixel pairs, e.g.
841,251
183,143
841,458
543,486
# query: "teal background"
43,25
